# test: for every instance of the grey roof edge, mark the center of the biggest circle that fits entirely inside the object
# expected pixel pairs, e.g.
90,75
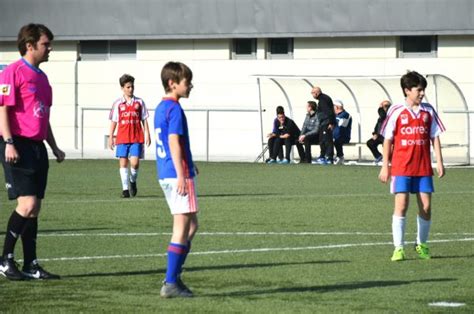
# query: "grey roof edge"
196,19
253,35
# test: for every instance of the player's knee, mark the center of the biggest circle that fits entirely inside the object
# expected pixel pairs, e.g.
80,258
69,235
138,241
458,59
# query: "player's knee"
425,212
28,208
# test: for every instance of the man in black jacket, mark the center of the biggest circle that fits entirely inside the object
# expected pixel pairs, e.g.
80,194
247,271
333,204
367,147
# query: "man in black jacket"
377,138
285,132
327,121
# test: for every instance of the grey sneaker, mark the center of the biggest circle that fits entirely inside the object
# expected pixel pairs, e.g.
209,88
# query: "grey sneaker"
175,290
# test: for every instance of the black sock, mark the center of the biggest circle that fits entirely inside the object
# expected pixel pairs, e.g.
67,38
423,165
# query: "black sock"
14,229
28,238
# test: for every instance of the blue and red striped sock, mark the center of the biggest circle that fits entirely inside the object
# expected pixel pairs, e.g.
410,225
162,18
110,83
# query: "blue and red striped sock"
188,248
176,252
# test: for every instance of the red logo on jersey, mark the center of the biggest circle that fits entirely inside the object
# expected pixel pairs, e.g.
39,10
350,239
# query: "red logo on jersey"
404,118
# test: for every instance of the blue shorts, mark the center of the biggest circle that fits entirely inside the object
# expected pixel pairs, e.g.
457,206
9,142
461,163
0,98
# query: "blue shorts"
403,184
129,150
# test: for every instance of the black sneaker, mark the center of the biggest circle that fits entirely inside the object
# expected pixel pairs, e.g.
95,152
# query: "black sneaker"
125,194
9,269
133,188
35,271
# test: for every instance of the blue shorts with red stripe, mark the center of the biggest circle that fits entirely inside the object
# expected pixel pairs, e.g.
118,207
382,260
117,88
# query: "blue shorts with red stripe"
129,150
406,184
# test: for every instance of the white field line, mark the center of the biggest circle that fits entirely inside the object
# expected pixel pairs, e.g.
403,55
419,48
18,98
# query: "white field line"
256,250
154,234
256,196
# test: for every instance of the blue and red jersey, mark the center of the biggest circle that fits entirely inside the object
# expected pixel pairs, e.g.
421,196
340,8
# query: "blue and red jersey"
170,119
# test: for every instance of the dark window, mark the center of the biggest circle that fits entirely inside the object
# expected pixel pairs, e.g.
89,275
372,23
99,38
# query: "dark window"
123,49
94,50
105,49
244,48
280,48
418,46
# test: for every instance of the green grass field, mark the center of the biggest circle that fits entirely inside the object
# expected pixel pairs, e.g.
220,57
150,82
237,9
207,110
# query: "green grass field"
272,238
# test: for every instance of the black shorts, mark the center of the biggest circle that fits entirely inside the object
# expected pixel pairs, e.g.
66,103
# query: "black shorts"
29,175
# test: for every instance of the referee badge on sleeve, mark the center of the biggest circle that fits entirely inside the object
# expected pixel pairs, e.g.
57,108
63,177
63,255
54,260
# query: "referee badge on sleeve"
5,89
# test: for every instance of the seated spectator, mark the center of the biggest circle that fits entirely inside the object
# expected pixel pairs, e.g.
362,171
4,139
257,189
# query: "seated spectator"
285,132
377,138
309,132
342,130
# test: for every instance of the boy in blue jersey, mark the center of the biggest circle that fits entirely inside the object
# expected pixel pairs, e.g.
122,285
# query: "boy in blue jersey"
176,173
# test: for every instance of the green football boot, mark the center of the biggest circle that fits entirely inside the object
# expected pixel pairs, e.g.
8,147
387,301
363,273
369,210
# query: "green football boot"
423,251
398,255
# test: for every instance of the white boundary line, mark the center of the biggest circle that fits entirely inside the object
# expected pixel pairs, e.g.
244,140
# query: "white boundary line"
309,233
256,250
138,199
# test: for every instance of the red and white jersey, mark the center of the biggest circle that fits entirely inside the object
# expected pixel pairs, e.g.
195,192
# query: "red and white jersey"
411,133
128,116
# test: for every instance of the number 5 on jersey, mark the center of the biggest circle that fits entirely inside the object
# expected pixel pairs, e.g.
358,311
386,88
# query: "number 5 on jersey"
160,148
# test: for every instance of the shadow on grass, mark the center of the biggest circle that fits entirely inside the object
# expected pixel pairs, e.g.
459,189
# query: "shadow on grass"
329,288
236,194
202,268
43,231
452,256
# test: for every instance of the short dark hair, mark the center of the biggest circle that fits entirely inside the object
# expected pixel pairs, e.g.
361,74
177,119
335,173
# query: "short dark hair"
412,79
30,34
175,71
126,78
313,105
280,110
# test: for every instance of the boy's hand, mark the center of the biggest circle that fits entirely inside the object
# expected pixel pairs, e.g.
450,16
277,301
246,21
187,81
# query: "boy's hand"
181,188
148,141
384,174
111,142
440,169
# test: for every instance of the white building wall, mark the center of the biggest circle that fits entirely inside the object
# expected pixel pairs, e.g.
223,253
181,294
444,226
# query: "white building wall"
221,83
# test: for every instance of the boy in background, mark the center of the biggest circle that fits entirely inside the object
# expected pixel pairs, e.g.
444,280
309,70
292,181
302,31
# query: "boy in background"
408,131
129,113
176,172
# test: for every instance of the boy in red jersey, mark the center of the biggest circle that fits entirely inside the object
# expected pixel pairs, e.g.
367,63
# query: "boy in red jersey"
409,130
130,114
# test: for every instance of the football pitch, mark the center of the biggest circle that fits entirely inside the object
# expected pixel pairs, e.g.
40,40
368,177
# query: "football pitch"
272,238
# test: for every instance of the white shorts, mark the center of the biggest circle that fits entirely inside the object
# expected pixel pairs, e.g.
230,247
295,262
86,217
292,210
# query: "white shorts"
180,204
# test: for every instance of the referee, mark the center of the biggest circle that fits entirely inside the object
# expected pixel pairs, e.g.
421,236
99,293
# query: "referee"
25,102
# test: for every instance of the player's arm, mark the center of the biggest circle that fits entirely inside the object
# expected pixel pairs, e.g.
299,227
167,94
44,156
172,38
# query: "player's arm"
110,142
384,174
439,157
60,155
11,154
177,157
147,132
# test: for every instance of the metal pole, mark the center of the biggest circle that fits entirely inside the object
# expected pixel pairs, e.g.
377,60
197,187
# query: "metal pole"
76,104
261,116
207,135
82,132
